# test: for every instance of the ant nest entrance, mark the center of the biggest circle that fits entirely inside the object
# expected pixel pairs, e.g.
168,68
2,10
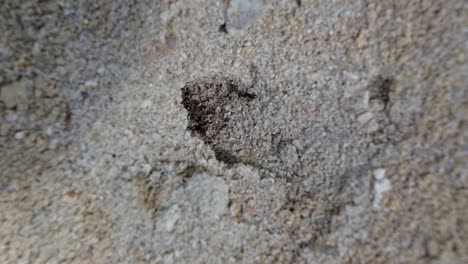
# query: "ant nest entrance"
221,112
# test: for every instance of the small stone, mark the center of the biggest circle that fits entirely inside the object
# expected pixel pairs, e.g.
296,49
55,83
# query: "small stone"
365,117
379,174
365,99
68,199
49,130
91,84
20,135
361,40
381,186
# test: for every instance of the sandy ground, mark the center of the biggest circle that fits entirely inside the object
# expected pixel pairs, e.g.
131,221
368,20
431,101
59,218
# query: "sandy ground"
233,131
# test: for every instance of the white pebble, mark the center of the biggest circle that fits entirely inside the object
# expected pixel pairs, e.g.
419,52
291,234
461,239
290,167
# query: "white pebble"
379,174
365,99
91,83
381,186
49,130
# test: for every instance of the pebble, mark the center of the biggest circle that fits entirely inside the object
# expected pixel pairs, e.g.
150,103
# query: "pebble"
20,135
379,174
365,117
381,186
365,99
68,199
49,131
91,83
